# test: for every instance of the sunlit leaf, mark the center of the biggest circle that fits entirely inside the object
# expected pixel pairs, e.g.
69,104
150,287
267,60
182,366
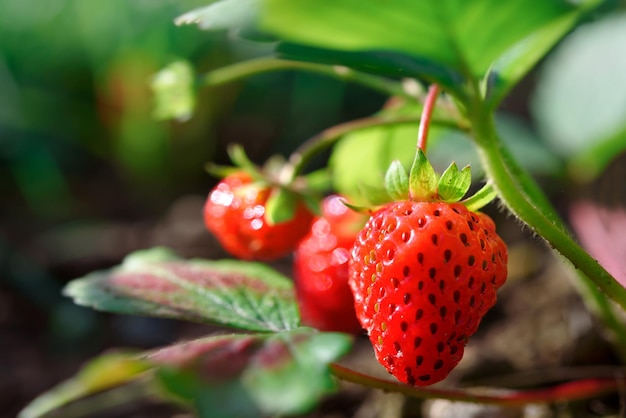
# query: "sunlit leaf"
465,35
252,375
360,160
155,282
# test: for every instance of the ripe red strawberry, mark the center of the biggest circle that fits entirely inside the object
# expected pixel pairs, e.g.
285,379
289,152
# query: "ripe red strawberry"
321,269
423,274
235,213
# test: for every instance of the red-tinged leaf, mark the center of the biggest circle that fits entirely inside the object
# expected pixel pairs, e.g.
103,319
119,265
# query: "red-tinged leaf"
155,282
252,375
102,373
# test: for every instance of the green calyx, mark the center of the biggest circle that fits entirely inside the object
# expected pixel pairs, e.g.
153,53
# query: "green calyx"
286,191
422,183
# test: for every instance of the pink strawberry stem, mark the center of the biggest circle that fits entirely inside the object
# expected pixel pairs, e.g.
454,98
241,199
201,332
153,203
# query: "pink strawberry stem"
427,113
570,391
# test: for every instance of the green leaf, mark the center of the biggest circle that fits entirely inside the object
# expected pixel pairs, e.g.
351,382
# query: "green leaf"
509,69
291,374
454,184
155,282
280,206
237,16
360,160
252,375
465,35
579,100
174,92
397,181
422,178
102,373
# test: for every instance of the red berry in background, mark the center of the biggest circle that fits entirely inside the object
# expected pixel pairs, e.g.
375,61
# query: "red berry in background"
321,269
423,275
235,213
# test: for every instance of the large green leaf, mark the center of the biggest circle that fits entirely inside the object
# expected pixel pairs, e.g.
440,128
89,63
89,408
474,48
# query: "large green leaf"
155,282
252,375
466,35
579,103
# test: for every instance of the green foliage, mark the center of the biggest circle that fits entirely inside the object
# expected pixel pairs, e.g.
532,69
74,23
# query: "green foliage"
281,370
155,282
359,160
522,57
467,36
252,375
238,16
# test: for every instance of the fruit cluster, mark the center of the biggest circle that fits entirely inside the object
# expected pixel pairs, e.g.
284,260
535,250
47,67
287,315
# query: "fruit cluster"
419,275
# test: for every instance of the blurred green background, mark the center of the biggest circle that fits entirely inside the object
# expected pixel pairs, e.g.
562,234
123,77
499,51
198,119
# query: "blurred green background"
88,174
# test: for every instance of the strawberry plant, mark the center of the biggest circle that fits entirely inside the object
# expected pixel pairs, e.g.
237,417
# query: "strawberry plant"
426,265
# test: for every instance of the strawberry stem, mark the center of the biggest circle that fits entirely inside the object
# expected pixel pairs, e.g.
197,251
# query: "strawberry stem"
427,112
570,391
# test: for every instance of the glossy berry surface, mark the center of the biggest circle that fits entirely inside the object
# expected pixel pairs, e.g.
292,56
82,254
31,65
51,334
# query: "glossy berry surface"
321,269
423,275
235,213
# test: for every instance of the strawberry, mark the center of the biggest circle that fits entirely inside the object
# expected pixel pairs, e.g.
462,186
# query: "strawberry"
235,212
424,270
321,268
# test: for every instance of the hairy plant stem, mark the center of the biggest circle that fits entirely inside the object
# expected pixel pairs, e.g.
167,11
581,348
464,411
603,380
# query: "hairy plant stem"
571,391
524,198
263,65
